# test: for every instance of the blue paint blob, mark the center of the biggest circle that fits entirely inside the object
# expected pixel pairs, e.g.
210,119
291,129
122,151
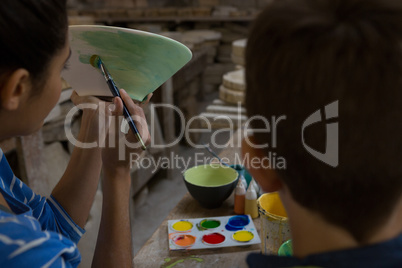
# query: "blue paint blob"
237,223
230,228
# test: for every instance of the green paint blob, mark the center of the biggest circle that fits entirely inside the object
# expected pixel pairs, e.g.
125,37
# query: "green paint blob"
174,264
85,59
192,257
139,63
197,259
210,175
210,224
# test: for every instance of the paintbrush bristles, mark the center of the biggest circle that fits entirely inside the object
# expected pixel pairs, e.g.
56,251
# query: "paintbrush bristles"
95,61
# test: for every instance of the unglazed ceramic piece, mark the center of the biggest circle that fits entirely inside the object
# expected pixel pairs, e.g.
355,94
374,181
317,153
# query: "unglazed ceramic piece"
239,47
238,51
235,80
231,96
138,61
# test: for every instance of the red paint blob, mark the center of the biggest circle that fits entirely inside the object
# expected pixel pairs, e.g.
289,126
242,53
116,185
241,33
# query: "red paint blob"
214,238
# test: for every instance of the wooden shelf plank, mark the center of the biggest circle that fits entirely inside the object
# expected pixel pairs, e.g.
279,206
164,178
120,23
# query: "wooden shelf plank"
111,20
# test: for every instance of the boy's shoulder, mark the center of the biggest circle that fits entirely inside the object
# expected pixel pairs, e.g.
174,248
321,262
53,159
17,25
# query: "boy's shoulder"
385,254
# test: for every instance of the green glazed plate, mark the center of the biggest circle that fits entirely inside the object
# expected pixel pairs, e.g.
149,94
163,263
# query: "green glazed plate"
138,61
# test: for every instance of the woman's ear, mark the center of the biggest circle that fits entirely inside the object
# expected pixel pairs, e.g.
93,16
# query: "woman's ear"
267,178
14,89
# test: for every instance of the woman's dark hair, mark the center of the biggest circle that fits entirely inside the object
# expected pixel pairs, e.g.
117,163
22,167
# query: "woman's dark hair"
305,54
31,33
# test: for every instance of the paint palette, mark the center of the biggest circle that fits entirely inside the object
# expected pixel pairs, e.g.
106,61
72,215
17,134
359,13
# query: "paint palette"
138,61
214,232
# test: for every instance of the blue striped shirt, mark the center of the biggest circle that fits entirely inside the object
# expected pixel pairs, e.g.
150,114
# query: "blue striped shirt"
39,233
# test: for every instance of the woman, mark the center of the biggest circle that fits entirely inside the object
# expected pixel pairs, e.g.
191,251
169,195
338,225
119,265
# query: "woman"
35,231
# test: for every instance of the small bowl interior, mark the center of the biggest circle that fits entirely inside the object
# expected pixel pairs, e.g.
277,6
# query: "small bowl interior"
272,204
210,175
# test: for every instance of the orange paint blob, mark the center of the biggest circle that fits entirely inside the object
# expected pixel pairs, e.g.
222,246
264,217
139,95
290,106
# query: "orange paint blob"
184,240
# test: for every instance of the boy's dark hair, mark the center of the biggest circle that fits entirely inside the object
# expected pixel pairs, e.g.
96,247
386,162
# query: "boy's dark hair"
304,54
31,33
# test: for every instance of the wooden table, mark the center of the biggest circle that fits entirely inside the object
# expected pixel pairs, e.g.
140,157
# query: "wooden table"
155,253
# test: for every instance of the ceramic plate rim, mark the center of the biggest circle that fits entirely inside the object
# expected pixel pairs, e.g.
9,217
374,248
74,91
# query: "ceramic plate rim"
114,29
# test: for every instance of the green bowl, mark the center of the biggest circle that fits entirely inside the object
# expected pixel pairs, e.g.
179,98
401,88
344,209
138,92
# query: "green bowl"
210,184
286,249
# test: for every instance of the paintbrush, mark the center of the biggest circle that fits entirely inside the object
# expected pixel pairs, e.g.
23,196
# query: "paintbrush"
215,155
96,62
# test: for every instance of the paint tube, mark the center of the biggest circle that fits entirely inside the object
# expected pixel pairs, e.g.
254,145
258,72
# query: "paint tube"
256,187
250,207
244,181
240,194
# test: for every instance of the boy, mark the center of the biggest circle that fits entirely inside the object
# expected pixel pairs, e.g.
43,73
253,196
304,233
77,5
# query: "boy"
346,57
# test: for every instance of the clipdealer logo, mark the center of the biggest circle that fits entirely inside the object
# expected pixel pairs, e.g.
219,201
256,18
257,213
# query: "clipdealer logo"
331,155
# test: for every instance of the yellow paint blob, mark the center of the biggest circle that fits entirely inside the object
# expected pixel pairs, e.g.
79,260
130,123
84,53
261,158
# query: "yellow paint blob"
243,236
182,226
271,203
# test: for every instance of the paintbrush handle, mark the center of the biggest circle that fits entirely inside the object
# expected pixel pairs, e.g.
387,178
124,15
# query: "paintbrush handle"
214,154
115,91
113,88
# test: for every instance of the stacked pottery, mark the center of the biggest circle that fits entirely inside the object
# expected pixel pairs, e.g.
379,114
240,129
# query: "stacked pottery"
227,111
211,40
233,89
238,51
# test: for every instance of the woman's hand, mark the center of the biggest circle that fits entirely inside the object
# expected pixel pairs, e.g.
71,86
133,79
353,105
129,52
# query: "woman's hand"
120,149
95,117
